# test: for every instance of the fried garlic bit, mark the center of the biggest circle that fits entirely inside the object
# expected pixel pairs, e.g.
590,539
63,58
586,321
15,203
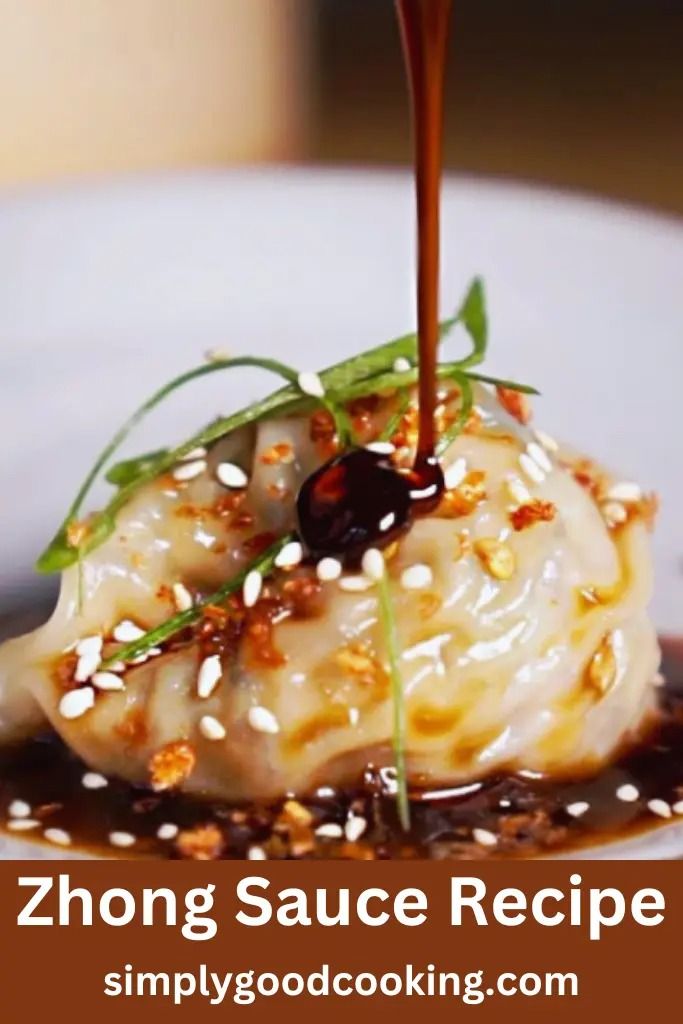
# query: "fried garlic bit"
203,842
531,512
497,558
171,765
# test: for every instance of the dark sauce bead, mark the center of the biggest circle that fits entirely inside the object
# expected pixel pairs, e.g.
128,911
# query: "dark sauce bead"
355,501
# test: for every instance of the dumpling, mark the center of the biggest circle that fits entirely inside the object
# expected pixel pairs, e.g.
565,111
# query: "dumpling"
521,606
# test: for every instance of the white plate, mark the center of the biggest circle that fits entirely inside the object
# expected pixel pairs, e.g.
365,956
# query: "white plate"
107,289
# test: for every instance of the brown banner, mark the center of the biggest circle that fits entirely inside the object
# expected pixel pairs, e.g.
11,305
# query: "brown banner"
206,951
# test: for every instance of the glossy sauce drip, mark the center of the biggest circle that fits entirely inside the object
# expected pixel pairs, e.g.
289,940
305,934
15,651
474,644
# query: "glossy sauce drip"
351,503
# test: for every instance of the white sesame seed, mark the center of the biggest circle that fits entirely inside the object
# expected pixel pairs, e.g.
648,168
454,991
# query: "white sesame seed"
57,836
517,489
628,793
89,645
208,677
195,453
355,584
455,473
504,802
230,475
127,632
677,808
531,468
311,384
328,569
85,666
387,521
540,456
263,720
211,728
107,681
325,792
381,447
329,830
614,513
22,824
256,853
660,808
167,831
373,564
354,828
625,491
93,780
402,365
548,442
416,577
577,809
122,839
189,470
116,666
251,588
76,702
19,809
484,837
290,555
217,355
182,598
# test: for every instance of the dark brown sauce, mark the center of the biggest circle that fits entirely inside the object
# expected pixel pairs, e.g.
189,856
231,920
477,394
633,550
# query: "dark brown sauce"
528,816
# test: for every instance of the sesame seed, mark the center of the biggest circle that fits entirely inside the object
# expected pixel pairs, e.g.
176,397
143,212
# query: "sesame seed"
355,584
108,681
455,473
614,513
548,442
531,468
517,490
182,598
189,470
251,589
373,564
19,809
256,853
290,555
216,355
677,808
504,802
57,836
354,828
381,447
325,792
116,666
328,569
540,456
628,793
93,780
387,521
625,491
85,666
660,808
208,677
122,839
329,831
76,702
127,632
484,837
231,475
22,824
263,720
211,728
402,365
416,577
577,809
311,384
167,831
195,453
89,645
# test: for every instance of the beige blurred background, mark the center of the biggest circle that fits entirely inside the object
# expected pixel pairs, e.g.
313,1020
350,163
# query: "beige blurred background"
583,94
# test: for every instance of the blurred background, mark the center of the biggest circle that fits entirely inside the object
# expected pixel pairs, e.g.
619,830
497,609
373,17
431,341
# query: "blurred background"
586,94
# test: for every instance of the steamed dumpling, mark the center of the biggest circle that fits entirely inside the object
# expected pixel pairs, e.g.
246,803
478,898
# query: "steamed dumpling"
522,615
